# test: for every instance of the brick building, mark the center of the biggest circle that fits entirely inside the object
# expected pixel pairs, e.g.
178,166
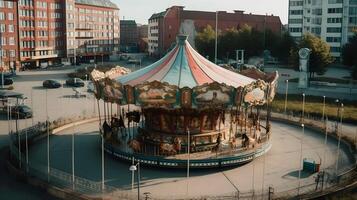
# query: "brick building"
92,29
164,26
8,35
43,32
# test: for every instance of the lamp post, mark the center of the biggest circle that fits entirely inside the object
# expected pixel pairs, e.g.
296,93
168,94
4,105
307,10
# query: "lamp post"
339,133
188,159
133,168
301,140
215,43
286,95
303,107
323,108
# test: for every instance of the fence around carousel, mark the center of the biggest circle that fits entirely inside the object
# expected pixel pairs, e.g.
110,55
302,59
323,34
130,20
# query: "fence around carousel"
81,185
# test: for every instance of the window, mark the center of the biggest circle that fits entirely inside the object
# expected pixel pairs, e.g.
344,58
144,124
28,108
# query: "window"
2,16
317,11
11,41
2,28
334,10
10,4
296,12
335,49
353,20
353,11
333,30
2,4
316,30
333,39
335,1
12,53
353,2
292,30
296,3
10,28
316,21
10,16
3,41
334,20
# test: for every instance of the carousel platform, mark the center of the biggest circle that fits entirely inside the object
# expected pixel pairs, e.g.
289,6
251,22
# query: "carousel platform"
224,157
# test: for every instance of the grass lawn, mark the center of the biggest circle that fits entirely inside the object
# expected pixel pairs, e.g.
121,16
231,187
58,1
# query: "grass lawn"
327,79
314,106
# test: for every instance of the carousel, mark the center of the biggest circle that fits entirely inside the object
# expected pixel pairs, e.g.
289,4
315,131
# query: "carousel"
185,107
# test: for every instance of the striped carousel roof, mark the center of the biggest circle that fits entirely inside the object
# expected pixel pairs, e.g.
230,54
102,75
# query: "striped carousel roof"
183,66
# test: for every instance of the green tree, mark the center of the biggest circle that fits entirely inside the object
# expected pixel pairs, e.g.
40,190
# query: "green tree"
205,40
320,56
285,44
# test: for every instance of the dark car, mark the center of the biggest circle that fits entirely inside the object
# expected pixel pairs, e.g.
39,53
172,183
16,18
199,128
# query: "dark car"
75,82
57,65
21,112
7,81
51,84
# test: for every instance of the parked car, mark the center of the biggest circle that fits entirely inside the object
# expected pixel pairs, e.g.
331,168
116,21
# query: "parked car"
57,65
75,82
51,84
21,111
7,81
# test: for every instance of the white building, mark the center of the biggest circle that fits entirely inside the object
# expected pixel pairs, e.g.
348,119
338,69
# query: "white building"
331,20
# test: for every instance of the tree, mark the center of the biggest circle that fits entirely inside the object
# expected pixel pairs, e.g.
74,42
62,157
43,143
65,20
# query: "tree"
205,40
285,44
320,56
349,57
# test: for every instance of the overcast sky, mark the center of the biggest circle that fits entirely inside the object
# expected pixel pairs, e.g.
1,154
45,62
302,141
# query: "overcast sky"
141,10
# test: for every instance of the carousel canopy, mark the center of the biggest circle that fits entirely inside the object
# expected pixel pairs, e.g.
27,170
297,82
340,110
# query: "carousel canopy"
184,67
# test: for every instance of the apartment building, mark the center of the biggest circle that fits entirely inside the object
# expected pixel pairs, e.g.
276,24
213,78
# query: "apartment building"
164,26
331,20
92,29
9,58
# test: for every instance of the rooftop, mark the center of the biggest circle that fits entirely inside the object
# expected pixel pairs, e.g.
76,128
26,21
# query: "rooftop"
127,22
100,3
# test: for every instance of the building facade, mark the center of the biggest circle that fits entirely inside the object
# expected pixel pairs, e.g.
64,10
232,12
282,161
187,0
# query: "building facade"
129,36
164,26
41,32
92,30
331,20
9,52
38,33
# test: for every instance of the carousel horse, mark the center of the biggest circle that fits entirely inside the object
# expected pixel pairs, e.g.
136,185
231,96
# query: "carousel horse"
177,143
233,143
246,141
258,136
167,149
135,145
107,129
218,144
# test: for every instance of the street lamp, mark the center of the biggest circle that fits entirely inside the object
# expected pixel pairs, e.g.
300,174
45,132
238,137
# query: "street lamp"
323,109
303,107
286,95
133,168
339,133
301,140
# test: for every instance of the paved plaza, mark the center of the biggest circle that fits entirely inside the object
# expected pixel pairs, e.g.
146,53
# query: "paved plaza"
280,164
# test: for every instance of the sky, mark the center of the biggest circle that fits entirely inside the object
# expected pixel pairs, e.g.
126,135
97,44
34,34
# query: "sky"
141,10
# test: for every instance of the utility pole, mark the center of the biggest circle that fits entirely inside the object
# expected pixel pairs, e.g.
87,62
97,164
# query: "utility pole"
1,67
215,44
